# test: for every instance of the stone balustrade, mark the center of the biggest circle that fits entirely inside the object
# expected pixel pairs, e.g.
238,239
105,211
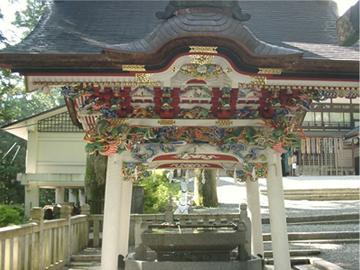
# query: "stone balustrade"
49,244
43,244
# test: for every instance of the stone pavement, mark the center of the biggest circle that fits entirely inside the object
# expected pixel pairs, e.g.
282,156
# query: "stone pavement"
333,253
342,253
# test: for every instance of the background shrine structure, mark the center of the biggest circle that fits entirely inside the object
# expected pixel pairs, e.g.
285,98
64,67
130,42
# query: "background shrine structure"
189,84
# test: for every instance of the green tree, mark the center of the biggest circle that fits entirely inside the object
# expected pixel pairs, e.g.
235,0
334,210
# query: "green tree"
95,176
28,18
16,104
12,161
205,193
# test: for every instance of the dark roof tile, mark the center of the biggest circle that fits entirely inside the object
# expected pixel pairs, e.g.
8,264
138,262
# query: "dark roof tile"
85,27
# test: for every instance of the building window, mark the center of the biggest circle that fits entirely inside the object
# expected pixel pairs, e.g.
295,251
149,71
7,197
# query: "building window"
57,123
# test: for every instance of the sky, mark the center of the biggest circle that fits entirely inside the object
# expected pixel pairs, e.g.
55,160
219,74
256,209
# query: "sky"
8,10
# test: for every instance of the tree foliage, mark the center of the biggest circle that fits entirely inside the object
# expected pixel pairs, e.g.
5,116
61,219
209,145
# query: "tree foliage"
157,193
206,193
16,104
28,18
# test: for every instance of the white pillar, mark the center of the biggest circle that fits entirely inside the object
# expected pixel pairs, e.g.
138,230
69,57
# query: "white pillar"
81,197
278,227
31,197
73,195
253,201
60,194
116,214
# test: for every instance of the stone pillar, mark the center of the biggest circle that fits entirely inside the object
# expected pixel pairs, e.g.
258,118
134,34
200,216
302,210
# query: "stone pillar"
81,197
66,213
59,194
278,227
37,215
245,250
253,201
116,215
73,195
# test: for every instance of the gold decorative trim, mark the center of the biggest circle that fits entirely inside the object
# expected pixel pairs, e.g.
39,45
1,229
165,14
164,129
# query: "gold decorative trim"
228,70
258,80
150,83
224,122
294,87
143,77
270,70
133,68
203,49
201,59
174,69
119,121
166,122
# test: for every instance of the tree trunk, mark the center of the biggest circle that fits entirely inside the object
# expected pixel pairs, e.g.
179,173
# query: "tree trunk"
95,177
205,194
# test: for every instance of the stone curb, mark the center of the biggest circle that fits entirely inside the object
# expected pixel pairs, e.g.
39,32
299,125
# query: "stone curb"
331,218
325,265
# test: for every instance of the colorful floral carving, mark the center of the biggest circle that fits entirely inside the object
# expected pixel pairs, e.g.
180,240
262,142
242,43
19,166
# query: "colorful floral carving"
108,135
246,113
195,113
142,91
135,171
249,171
196,91
201,72
139,112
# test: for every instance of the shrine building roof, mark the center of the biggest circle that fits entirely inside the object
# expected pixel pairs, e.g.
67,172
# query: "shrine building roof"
275,27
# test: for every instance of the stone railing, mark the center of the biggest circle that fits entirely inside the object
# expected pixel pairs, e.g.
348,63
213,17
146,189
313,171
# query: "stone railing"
49,244
43,244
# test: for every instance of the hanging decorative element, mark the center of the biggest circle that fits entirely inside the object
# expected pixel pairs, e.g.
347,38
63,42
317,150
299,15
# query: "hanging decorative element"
217,176
251,171
134,171
187,176
203,176
154,176
171,174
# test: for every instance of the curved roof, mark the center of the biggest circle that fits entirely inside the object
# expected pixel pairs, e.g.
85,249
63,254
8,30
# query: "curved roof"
86,27
203,23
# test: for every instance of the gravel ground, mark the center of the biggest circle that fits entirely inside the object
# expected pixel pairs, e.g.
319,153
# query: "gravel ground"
345,255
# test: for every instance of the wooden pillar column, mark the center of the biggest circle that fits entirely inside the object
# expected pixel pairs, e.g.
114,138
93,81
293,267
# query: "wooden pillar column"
116,215
253,201
278,227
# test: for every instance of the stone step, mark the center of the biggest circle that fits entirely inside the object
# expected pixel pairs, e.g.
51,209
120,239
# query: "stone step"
304,263
320,194
294,261
85,258
296,253
319,191
316,219
317,236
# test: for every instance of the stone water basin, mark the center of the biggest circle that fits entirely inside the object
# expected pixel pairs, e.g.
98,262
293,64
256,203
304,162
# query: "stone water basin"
195,244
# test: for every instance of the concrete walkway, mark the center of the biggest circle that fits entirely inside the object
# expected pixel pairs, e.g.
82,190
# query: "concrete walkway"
344,254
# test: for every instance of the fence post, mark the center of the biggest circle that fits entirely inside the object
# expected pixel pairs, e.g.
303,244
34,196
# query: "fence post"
169,216
245,252
85,210
37,216
66,213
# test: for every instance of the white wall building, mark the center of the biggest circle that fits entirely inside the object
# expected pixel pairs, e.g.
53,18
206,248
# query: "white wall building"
55,156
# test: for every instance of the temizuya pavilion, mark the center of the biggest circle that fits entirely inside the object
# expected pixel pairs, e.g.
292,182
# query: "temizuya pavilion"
189,84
